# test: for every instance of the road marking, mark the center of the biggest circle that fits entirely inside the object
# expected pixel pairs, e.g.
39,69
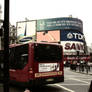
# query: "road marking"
80,80
73,84
64,88
89,79
79,77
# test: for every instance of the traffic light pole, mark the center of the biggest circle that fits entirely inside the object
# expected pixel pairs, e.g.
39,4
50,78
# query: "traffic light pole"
6,46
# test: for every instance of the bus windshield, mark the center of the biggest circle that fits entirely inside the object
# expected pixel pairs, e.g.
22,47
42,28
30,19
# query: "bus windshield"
46,52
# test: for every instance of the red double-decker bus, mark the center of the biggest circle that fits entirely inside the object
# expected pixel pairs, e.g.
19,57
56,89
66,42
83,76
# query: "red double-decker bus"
35,64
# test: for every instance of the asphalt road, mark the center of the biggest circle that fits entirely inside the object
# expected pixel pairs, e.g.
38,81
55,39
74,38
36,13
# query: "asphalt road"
74,82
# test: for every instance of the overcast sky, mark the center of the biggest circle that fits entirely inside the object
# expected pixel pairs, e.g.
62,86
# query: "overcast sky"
40,9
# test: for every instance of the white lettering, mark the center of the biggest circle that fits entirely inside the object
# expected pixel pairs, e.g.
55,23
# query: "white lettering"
74,46
75,35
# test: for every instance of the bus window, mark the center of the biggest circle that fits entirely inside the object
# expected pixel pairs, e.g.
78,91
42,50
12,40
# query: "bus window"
51,52
24,59
18,57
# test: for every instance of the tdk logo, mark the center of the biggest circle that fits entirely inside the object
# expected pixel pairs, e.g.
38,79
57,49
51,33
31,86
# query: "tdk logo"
75,36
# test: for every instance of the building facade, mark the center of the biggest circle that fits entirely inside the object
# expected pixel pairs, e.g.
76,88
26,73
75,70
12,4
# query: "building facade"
66,31
12,35
12,32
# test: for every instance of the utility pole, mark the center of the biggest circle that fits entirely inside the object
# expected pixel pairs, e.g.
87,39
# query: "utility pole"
0,27
6,45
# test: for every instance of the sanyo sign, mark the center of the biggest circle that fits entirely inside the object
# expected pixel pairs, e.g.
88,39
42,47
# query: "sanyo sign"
72,46
76,36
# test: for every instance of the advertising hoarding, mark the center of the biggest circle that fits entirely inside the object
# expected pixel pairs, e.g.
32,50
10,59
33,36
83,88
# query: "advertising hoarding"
26,31
71,35
59,24
71,47
50,36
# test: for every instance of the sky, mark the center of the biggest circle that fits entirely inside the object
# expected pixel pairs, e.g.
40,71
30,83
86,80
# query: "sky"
40,9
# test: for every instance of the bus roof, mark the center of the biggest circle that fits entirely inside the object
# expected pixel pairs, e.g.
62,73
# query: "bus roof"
14,45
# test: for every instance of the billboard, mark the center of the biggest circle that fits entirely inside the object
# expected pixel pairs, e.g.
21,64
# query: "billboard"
59,24
71,35
49,67
49,36
70,47
26,31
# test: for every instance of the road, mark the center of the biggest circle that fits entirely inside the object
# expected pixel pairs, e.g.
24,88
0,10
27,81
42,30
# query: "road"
74,82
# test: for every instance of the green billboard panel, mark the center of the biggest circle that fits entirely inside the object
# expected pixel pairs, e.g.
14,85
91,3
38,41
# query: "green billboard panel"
59,24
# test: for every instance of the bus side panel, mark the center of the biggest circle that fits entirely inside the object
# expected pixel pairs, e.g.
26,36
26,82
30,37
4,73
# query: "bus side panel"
31,62
19,75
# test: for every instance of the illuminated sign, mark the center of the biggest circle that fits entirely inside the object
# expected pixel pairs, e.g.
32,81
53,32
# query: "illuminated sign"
59,24
72,46
50,36
71,35
26,31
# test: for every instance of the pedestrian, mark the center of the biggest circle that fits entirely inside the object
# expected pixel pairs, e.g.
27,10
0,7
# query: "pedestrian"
75,65
71,63
88,66
81,68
